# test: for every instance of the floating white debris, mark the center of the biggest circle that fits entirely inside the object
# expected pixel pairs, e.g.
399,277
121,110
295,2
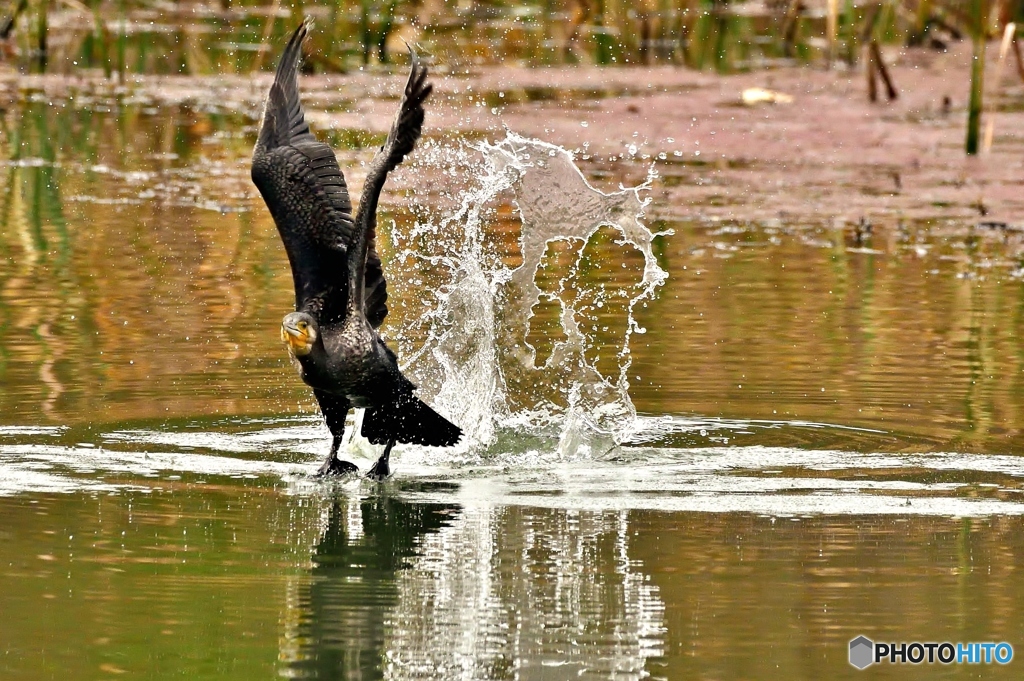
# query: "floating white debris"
753,96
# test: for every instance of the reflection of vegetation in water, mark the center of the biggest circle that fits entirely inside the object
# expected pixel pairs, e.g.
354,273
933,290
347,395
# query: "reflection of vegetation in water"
39,257
854,337
32,187
209,562
117,249
827,584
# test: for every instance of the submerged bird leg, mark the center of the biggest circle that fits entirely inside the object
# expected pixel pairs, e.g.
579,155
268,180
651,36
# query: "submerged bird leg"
335,466
381,470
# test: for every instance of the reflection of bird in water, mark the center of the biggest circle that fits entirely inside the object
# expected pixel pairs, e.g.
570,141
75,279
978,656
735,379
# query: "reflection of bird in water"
350,598
340,292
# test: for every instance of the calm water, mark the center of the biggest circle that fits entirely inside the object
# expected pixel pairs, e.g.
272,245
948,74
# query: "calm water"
826,442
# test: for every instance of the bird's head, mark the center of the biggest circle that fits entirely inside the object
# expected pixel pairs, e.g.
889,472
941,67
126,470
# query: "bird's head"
299,331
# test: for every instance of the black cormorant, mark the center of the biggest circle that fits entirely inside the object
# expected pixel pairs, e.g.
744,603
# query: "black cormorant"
340,292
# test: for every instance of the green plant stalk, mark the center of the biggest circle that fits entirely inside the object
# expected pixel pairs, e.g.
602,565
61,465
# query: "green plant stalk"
122,42
37,36
41,46
832,31
848,26
924,13
721,42
602,37
387,23
979,21
365,34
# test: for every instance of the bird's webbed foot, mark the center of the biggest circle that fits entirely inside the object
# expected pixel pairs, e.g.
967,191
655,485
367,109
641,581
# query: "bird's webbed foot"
381,470
335,466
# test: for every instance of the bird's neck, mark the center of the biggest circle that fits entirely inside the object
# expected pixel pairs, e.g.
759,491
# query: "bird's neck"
366,220
312,364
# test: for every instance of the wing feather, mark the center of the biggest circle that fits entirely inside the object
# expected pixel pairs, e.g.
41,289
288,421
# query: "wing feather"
405,131
305,190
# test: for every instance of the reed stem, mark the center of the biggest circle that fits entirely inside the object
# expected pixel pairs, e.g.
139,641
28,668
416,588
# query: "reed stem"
978,26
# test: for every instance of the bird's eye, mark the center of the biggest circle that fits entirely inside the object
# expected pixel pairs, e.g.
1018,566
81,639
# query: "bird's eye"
303,325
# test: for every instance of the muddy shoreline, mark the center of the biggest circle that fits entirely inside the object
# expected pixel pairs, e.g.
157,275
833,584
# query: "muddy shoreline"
830,157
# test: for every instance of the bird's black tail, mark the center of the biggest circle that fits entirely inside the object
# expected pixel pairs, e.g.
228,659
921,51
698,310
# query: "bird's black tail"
409,420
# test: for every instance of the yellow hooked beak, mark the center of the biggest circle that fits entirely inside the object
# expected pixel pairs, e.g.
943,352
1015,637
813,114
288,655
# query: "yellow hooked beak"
297,338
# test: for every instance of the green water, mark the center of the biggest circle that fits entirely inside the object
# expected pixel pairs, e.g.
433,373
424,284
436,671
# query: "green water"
826,446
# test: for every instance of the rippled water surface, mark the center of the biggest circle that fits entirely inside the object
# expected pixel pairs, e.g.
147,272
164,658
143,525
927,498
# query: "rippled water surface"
825,443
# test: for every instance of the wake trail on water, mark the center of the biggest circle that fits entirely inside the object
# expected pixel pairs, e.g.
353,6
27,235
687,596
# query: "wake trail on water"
527,349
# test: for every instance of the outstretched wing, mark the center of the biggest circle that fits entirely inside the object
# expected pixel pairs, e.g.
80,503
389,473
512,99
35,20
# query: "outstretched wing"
306,193
400,142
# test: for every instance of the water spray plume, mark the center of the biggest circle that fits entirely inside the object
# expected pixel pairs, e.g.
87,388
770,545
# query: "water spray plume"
475,354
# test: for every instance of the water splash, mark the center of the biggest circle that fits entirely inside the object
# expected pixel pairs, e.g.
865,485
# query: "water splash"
475,347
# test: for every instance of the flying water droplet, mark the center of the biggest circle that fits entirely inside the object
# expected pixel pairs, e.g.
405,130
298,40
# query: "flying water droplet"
470,350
